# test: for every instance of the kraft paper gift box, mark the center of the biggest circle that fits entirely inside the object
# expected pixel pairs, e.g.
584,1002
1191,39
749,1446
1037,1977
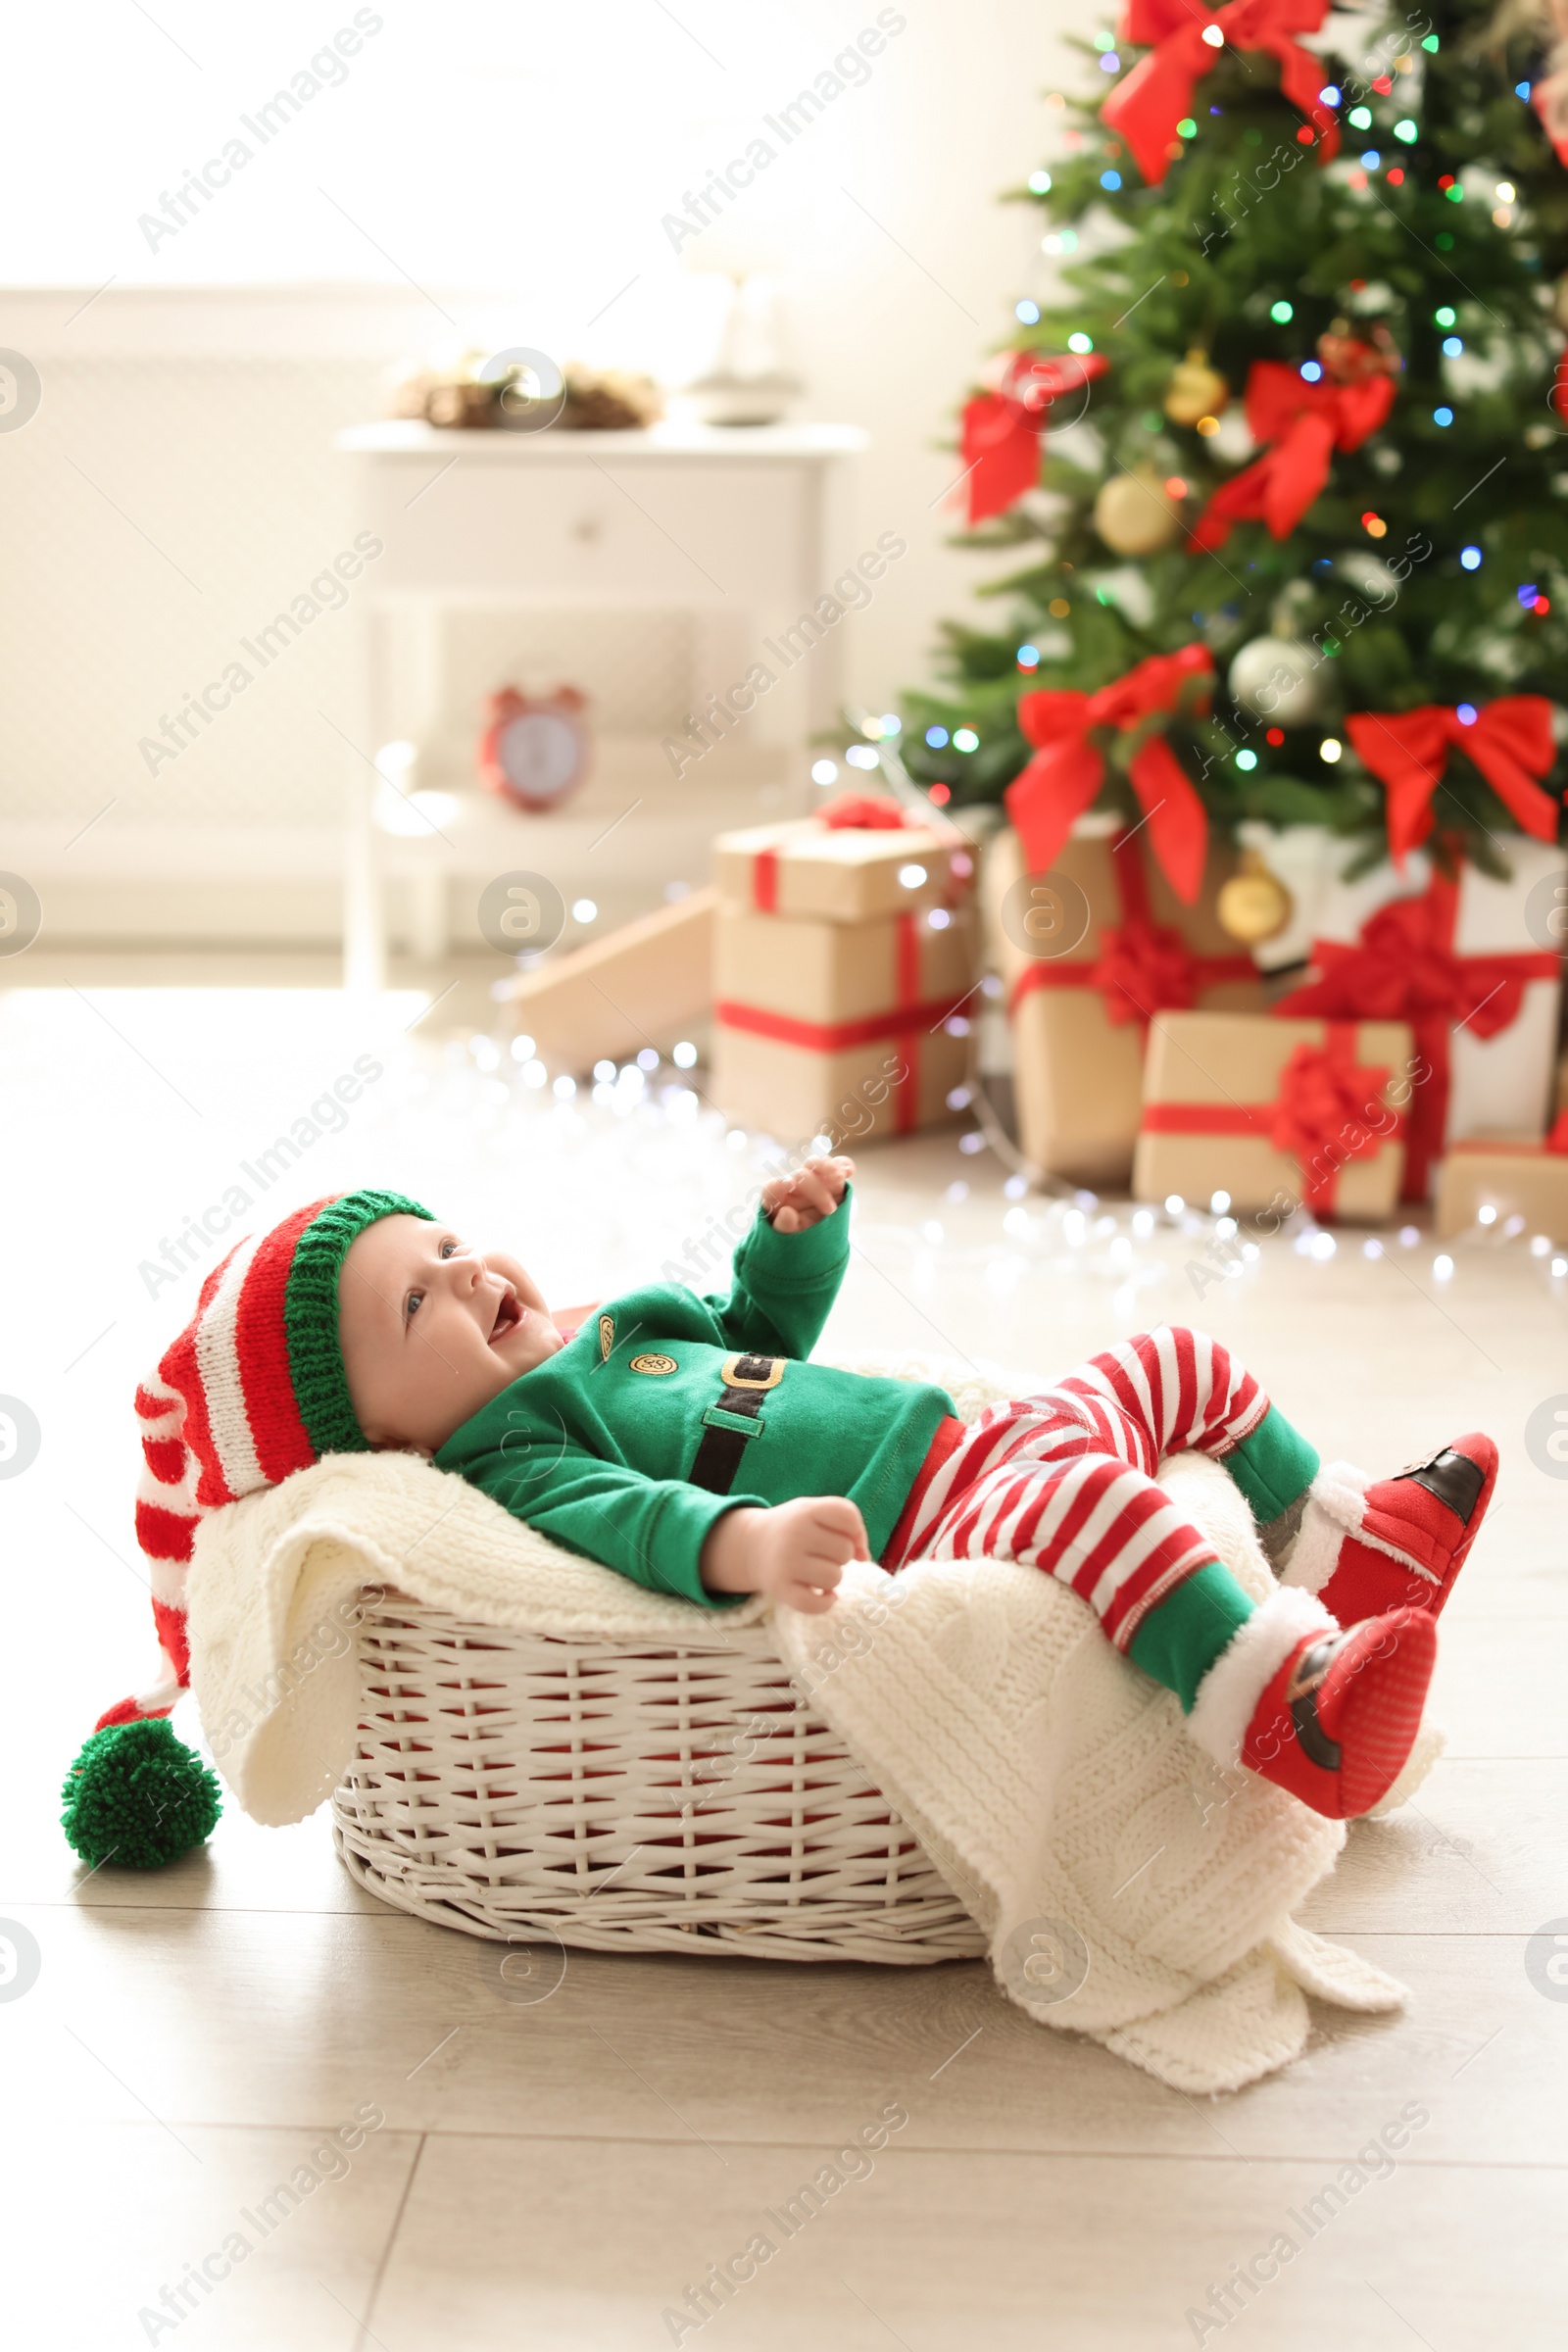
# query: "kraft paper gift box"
647,980
1471,965
843,1028
1275,1113
851,860
1082,961
844,964
1514,1176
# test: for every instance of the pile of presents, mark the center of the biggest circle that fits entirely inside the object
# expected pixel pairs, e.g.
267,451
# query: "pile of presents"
1405,1038
846,977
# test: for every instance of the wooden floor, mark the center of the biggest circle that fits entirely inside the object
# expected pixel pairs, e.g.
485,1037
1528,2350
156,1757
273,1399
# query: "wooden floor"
560,2171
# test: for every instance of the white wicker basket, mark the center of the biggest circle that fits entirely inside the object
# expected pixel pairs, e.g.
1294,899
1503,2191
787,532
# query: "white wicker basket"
624,1799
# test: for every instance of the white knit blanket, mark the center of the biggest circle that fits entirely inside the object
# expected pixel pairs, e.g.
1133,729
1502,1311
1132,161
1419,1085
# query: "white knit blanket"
1128,1888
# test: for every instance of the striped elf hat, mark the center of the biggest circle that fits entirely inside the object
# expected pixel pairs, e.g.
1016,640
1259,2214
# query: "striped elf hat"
252,1389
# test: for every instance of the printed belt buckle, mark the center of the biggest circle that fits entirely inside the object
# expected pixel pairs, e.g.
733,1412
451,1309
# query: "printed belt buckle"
734,1378
1423,1461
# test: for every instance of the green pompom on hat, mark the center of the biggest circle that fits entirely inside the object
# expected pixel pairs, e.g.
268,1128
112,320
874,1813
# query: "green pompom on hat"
138,1795
252,1389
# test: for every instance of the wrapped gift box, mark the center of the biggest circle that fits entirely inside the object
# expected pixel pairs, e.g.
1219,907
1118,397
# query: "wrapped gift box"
649,979
887,1087
843,871
1512,1175
1470,964
845,966
1083,957
1275,1113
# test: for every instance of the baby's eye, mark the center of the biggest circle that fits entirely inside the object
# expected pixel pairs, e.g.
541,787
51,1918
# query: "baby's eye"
412,1305
448,1248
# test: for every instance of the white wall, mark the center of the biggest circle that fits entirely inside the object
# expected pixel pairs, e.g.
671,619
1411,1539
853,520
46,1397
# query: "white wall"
178,479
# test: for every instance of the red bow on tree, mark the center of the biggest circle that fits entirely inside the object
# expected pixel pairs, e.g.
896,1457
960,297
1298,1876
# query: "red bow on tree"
1510,741
1403,968
1305,422
1146,107
1002,431
1068,769
1549,97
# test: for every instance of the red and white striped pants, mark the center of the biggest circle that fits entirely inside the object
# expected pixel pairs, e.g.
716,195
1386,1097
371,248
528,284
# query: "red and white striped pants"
1064,1481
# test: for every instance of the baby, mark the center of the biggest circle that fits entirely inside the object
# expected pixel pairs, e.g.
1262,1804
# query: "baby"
690,1443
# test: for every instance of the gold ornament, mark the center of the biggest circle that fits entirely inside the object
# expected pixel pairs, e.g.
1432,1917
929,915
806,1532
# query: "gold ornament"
1254,904
1135,513
1196,389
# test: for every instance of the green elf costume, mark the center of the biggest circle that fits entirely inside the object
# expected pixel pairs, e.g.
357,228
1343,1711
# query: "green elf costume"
666,1409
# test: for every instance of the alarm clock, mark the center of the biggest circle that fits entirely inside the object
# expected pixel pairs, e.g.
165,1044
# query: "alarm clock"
534,751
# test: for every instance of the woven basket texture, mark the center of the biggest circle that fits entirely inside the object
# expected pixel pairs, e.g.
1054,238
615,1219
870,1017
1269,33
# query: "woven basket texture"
624,1799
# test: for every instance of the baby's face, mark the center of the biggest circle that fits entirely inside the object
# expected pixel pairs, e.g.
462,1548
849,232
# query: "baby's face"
430,1331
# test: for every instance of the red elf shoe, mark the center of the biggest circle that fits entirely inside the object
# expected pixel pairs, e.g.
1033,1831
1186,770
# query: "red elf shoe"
1336,1725
1368,1546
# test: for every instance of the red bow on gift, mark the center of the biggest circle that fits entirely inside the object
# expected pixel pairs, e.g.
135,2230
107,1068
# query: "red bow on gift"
1326,1098
1403,968
1146,107
1305,422
1002,431
1067,769
1327,1111
1510,742
1143,967
869,811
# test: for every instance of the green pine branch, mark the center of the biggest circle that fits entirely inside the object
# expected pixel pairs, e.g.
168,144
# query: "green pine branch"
1403,579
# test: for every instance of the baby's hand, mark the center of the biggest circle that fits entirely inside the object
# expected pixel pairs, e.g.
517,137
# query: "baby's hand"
796,1552
792,1202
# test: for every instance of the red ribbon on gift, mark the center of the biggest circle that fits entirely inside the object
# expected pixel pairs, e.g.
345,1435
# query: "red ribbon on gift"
1144,967
1510,741
905,1023
1068,769
858,811
1146,105
905,1020
1320,1117
1306,424
1403,968
1003,432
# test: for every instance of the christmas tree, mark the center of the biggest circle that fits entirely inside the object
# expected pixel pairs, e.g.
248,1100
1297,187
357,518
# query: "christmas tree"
1284,471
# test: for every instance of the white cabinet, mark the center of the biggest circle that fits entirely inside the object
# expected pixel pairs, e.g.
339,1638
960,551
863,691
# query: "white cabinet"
652,568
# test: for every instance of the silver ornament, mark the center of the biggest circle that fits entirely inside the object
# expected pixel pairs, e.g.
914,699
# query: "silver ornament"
1370,575
1232,438
1277,678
